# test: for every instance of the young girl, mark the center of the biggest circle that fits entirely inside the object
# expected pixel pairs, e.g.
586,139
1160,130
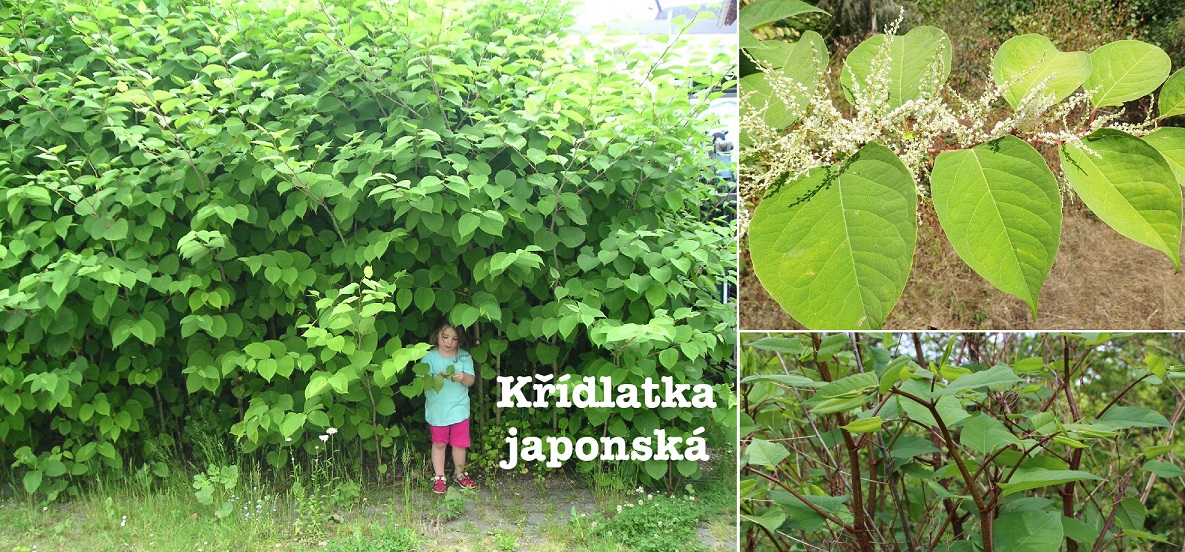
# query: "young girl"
447,410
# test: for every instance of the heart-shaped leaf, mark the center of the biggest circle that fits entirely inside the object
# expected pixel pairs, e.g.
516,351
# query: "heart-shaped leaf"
834,247
1124,70
911,62
1001,208
1024,62
1172,96
1130,186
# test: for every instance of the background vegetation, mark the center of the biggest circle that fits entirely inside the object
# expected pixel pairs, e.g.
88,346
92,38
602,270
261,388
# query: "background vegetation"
935,441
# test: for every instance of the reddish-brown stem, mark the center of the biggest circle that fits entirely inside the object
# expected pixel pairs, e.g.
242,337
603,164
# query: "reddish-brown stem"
799,496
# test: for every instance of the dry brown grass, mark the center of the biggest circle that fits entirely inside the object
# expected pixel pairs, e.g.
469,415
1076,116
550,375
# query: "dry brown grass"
1100,281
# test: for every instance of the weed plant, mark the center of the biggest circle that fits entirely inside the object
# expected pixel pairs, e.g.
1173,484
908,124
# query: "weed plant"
656,523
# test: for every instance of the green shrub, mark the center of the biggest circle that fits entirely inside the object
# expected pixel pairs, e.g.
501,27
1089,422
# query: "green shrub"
261,212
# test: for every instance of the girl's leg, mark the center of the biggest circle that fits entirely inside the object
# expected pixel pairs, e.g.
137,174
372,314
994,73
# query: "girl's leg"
438,457
458,459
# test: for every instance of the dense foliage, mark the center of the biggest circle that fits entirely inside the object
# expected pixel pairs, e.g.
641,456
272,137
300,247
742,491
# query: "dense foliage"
962,442
834,235
229,219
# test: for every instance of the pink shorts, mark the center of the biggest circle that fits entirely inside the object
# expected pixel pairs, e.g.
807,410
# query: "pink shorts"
456,435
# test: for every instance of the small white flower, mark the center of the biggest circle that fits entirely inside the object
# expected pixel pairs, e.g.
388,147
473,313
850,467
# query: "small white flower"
324,438
331,431
288,440
649,497
618,507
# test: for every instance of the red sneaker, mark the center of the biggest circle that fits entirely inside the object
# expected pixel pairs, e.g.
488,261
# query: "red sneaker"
438,484
465,482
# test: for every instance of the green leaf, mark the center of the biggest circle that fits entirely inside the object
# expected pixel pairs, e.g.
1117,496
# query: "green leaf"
758,96
799,62
32,481
1080,532
900,368
770,518
1163,469
768,11
669,357
258,350
803,517
910,63
317,385
1032,478
985,434
116,230
266,368
789,380
790,346
293,421
1124,70
950,409
1154,451
144,331
468,224
423,298
866,425
1129,186
909,446
1130,513
1028,60
655,468
765,453
944,494
848,387
996,375
1001,208
1170,142
1029,531
835,246
1134,416
841,404
1144,535
1172,96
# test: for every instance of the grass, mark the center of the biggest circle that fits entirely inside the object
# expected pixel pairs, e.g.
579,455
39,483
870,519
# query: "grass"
516,513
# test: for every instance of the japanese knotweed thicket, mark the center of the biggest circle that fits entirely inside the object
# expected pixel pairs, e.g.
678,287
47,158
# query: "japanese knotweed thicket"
833,238
947,442
239,220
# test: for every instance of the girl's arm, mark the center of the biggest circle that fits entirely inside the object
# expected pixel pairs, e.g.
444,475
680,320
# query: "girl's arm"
465,373
466,379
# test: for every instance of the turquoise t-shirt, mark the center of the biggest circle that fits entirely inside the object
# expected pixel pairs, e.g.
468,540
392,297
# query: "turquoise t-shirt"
451,404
